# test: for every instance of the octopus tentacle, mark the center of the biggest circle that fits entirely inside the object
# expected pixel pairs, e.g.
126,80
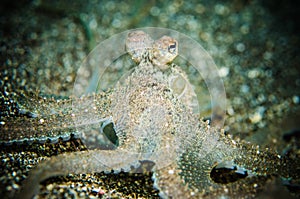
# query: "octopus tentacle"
78,162
57,125
148,123
192,176
152,116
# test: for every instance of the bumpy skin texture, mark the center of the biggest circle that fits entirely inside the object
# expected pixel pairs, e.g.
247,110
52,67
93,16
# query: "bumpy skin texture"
160,52
148,119
153,118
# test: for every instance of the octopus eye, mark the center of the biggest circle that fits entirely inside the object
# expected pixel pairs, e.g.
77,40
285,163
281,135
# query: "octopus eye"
226,172
172,48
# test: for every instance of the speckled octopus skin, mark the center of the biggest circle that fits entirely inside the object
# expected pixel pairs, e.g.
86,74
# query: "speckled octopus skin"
154,121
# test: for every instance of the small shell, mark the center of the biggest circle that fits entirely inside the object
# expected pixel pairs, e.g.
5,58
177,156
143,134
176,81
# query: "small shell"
164,51
227,172
137,43
108,129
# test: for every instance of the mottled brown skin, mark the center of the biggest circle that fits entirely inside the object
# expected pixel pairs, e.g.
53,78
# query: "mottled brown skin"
146,116
152,123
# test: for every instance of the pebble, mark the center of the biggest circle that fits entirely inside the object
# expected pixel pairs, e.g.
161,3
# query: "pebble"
223,71
296,99
255,118
50,187
240,47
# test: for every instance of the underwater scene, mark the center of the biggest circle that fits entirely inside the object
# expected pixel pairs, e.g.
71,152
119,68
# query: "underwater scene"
149,99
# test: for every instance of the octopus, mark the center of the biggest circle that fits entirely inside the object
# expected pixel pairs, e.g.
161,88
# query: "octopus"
149,116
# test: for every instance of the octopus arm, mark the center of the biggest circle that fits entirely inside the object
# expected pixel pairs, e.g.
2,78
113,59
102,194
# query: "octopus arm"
85,112
76,163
